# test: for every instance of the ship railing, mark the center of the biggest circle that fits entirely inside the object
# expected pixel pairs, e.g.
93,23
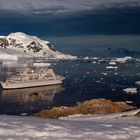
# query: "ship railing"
13,80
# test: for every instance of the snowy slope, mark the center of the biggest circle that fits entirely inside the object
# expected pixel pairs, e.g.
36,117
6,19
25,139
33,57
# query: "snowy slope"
77,128
31,45
10,54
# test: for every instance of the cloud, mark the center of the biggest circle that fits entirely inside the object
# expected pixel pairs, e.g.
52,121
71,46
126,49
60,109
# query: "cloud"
60,6
118,21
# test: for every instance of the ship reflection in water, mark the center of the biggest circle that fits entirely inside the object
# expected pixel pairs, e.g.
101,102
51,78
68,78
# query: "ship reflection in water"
28,100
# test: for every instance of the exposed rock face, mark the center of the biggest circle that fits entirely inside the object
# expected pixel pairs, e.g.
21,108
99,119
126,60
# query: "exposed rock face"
4,42
35,47
95,106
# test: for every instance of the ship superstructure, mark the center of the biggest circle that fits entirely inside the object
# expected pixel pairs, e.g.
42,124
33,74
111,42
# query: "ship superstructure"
33,78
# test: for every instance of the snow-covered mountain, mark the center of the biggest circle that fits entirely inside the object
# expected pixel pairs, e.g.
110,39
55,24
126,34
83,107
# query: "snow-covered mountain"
30,45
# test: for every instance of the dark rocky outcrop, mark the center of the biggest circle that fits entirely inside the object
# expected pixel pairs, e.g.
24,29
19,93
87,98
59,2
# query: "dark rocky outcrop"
4,42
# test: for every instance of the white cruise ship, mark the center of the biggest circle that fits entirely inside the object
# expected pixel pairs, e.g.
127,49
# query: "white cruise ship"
41,77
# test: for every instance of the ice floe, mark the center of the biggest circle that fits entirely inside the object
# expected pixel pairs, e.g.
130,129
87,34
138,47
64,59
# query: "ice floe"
112,63
104,73
94,62
90,58
122,59
130,90
111,67
137,83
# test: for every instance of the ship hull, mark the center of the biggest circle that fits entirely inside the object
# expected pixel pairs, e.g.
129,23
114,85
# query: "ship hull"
28,84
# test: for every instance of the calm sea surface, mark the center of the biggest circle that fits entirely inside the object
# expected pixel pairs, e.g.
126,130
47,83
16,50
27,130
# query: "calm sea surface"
87,78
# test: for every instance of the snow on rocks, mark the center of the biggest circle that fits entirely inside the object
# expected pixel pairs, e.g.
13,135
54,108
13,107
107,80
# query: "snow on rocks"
31,45
130,90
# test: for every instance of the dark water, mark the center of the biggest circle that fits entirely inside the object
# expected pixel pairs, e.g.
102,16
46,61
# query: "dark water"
85,79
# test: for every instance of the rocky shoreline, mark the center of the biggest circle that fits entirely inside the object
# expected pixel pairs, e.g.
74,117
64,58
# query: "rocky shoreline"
94,106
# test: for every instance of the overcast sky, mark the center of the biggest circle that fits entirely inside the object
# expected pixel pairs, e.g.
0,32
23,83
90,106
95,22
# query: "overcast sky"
60,6
70,17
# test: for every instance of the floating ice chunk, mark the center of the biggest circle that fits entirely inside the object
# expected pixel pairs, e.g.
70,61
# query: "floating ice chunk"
111,67
86,58
122,59
90,58
87,72
95,58
138,83
84,76
130,90
128,57
104,73
94,62
138,60
113,89
112,63
23,114
129,102
102,78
